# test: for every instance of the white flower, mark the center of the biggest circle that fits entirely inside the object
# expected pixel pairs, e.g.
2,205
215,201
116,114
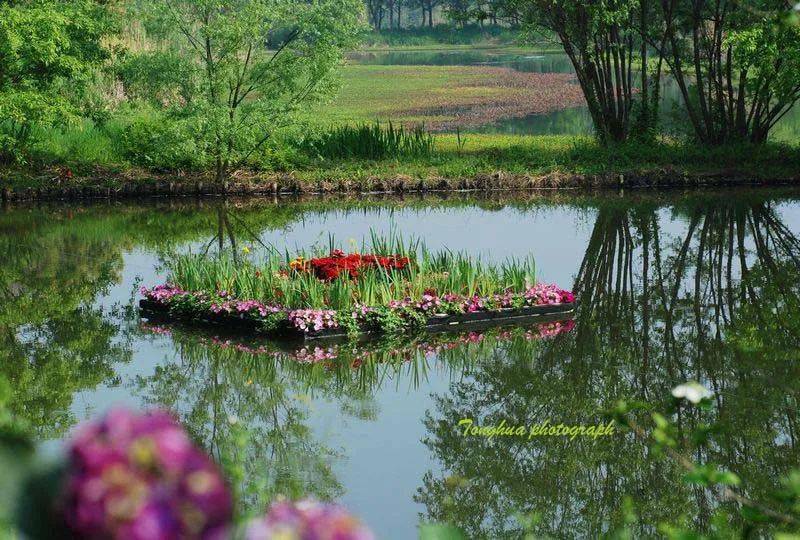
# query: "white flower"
693,391
797,6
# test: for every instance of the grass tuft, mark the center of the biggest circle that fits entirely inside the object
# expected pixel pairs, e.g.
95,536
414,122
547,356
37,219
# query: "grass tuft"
372,141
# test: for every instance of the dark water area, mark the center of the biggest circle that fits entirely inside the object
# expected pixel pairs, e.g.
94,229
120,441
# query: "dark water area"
574,121
673,286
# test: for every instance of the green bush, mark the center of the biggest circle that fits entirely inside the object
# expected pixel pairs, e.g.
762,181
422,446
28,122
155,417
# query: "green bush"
157,77
82,145
163,143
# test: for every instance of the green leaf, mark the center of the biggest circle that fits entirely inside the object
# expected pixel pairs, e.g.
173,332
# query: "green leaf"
440,531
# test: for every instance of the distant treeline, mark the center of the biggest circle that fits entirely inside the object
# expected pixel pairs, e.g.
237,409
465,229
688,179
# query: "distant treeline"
397,14
444,34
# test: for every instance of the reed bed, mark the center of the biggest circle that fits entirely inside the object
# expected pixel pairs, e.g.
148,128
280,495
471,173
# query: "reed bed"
372,141
274,277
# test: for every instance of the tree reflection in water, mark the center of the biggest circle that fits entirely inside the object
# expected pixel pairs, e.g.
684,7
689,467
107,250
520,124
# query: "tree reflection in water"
53,341
267,388
705,288
717,302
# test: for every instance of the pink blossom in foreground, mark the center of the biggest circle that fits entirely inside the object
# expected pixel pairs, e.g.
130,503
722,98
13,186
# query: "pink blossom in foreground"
139,476
307,520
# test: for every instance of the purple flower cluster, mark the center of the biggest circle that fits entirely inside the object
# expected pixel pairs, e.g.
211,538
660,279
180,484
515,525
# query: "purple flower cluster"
307,520
245,306
545,295
315,320
139,476
162,293
430,301
473,304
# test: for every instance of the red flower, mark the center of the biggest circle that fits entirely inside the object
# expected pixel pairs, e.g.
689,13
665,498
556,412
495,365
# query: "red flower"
332,267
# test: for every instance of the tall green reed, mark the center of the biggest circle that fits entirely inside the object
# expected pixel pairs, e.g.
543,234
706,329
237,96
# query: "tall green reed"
268,277
372,141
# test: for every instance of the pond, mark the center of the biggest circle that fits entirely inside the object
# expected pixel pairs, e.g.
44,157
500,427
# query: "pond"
574,121
673,286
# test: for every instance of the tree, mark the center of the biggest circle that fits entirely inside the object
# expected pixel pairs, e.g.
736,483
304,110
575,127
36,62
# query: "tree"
48,52
428,6
737,64
605,42
254,63
375,11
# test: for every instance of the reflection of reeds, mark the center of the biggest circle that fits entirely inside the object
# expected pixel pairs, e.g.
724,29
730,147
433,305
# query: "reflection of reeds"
371,360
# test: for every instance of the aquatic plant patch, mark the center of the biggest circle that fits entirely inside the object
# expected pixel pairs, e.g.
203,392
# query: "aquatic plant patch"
430,310
390,286
445,97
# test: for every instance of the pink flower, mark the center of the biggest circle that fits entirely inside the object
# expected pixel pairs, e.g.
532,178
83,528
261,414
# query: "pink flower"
476,303
162,293
315,320
543,295
140,476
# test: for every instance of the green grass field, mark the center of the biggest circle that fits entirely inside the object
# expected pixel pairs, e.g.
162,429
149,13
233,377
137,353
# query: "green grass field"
476,156
443,97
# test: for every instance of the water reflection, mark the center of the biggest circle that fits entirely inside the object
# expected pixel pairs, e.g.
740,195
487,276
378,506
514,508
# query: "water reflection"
717,303
673,286
53,341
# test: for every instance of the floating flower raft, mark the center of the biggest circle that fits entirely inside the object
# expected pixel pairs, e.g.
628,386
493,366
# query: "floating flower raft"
391,289
431,311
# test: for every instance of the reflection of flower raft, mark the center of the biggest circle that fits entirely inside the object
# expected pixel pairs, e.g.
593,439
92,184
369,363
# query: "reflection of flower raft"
330,355
439,312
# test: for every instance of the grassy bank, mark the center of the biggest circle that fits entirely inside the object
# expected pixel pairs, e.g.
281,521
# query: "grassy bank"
476,162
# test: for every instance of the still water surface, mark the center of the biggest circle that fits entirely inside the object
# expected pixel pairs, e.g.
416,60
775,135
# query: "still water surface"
674,286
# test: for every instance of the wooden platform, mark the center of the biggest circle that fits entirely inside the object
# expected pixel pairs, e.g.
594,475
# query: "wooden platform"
239,323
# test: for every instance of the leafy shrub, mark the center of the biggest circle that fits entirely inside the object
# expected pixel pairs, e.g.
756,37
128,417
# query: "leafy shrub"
162,143
157,76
